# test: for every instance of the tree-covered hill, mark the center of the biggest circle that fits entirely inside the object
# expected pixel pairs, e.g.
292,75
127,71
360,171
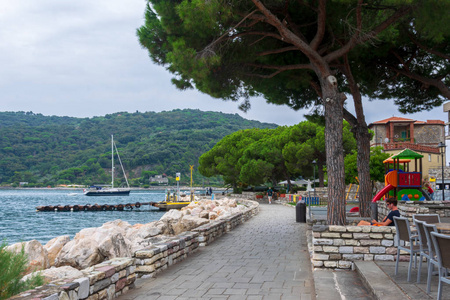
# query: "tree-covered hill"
49,150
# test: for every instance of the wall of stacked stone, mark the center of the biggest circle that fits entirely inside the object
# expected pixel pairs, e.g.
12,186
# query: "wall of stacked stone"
338,247
107,280
114,277
160,256
409,208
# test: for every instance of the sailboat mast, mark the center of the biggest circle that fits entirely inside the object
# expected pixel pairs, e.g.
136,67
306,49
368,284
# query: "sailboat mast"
112,161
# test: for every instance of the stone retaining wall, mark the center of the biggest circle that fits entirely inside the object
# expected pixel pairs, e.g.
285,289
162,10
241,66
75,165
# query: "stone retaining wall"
339,246
114,277
107,280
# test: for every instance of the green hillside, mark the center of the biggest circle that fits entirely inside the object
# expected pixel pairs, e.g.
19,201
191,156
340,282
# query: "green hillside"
50,150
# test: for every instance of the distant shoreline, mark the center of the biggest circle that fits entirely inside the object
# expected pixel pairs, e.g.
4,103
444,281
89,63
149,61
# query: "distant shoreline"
132,189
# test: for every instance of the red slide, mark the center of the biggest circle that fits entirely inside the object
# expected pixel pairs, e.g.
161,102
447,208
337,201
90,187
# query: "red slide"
383,191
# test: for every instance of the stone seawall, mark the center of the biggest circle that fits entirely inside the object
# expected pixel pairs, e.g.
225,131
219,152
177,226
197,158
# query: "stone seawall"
103,281
114,277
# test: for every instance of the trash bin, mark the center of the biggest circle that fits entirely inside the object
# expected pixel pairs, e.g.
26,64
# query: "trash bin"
300,212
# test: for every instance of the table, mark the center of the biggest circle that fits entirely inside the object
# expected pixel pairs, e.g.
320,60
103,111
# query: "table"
442,227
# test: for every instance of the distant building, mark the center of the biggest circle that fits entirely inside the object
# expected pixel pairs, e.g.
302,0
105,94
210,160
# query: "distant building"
160,179
395,134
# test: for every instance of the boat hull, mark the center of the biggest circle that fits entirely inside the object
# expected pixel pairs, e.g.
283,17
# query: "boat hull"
171,205
107,193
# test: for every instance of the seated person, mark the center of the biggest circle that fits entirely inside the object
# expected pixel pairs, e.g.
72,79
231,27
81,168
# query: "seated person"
391,203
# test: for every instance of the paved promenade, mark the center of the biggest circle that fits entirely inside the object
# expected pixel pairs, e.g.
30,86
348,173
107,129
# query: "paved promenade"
265,258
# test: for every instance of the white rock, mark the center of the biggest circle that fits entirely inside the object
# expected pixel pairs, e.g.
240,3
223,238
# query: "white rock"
91,246
213,215
191,222
36,253
172,215
204,215
54,246
57,273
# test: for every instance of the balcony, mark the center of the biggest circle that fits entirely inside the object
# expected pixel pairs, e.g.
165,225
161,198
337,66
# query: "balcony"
415,147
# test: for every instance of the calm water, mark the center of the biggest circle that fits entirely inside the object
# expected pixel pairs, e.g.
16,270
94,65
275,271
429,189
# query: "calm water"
19,220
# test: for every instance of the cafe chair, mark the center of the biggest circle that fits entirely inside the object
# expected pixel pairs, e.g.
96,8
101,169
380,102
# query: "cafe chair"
423,244
432,261
442,245
428,218
403,237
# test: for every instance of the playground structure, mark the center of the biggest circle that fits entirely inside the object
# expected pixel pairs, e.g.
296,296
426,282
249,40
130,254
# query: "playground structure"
400,181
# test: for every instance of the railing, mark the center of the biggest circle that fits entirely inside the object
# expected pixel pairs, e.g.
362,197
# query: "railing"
314,200
416,147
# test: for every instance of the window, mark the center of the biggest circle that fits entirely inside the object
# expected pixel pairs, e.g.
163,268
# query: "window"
429,157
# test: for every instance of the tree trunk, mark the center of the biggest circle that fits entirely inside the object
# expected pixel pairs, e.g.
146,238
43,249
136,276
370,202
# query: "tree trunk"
333,102
363,159
362,136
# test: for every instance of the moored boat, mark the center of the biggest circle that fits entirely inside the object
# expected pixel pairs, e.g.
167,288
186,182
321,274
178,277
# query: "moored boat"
100,191
171,205
110,191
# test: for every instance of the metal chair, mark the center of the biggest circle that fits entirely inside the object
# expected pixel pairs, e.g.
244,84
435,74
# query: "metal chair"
428,218
442,245
404,235
432,261
423,244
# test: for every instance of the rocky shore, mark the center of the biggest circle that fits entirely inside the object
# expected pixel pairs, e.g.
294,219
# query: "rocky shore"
62,257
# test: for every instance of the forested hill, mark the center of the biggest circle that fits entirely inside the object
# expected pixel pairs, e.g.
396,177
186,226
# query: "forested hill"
51,150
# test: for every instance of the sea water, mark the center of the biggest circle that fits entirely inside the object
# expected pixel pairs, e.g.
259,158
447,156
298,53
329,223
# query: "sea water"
19,220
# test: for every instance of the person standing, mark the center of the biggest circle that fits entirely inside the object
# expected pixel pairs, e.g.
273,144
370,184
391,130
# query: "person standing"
270,194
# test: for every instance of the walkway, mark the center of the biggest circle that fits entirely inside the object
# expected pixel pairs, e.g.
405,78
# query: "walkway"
265,258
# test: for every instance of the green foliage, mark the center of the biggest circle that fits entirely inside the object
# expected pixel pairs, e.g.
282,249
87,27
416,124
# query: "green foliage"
377,171
256,157
13,267
49,150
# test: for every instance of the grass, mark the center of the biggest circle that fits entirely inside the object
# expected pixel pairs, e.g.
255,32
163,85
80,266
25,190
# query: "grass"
13,267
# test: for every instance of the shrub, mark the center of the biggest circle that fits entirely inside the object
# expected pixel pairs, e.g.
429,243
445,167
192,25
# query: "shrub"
13,266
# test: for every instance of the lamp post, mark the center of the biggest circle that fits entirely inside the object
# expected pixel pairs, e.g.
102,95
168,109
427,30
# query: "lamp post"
442,150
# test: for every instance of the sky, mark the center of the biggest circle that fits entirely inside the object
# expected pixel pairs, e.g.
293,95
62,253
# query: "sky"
82,59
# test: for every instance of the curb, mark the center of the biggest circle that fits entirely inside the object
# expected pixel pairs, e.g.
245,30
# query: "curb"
377,282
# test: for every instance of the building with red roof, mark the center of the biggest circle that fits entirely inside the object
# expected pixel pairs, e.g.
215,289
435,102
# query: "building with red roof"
396,134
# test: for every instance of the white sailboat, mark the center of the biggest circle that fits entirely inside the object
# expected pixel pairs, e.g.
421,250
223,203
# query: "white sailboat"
110,191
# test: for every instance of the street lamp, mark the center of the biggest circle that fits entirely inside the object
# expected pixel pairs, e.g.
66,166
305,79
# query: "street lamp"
442,150
314,176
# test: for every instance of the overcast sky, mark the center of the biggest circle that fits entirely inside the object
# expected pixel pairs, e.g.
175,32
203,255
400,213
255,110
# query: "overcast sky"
82,59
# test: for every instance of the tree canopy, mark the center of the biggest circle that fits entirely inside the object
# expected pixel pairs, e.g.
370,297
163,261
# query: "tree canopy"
268,156
297,53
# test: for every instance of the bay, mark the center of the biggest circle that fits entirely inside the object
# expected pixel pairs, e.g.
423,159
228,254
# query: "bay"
19,220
